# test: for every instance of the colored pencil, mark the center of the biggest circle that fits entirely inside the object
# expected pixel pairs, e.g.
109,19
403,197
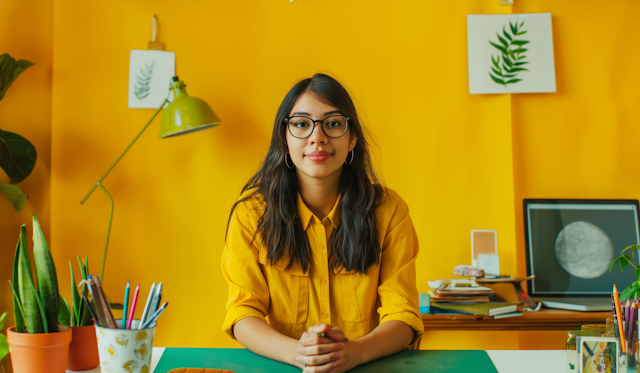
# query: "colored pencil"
126,301
147,306
88,305
616,298
95,295
155,316
133,306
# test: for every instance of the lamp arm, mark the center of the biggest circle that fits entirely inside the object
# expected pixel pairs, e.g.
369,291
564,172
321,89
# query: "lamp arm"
99,184
124,152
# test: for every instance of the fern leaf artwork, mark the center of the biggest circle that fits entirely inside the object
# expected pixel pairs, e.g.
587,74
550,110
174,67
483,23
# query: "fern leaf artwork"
510,61
143,84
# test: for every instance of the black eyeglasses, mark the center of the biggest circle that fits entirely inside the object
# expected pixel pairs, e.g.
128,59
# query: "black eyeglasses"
302,127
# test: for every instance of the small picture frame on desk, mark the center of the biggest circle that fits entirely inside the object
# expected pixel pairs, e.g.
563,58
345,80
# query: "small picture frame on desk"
597,354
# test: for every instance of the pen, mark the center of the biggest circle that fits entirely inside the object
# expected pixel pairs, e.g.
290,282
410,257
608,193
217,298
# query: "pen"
616,298
133,306
155,316
95,295
108,314
156,300
93,314
126,301
147,306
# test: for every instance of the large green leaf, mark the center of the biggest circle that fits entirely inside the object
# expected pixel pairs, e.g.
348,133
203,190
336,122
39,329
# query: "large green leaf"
46,274
497,80
18,312
64,316
499,47
10,69
27,290
4,346
630,291
17,156
14,195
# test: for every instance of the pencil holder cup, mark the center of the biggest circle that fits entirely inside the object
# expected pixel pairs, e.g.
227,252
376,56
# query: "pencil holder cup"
125,350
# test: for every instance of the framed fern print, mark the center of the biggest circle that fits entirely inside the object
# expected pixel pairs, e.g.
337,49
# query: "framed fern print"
510,53
149,74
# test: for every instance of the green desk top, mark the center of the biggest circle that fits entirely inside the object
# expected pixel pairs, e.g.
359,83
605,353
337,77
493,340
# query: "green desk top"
241,360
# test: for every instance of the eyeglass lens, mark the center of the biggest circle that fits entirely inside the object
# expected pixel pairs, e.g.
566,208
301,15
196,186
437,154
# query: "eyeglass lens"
301,127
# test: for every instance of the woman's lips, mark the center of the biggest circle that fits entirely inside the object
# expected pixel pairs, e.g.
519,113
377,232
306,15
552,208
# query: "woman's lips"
318,156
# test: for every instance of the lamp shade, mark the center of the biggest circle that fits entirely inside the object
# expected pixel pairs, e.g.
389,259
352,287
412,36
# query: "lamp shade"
186,114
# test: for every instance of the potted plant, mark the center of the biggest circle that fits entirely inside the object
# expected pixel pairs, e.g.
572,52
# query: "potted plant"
4,347
624,261
38,343
83,350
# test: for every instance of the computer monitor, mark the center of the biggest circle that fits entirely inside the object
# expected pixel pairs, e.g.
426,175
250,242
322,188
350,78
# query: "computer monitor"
570,244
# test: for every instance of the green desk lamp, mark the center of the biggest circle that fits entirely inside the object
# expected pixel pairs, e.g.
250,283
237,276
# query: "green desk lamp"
184,115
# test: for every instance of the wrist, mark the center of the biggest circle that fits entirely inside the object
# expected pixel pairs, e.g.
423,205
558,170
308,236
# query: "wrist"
357,351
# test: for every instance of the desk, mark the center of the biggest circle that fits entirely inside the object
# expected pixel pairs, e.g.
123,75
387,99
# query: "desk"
544,319
505,361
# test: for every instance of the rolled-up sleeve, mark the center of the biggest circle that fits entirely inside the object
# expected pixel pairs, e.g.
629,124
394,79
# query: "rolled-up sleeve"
397,289
248,290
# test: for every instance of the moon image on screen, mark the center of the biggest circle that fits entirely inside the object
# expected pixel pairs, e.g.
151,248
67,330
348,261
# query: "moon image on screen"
584,250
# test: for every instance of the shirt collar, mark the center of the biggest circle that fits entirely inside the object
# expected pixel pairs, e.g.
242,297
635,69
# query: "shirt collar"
306,215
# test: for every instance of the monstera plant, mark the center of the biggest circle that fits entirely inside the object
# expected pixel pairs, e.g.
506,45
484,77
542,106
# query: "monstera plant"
17,154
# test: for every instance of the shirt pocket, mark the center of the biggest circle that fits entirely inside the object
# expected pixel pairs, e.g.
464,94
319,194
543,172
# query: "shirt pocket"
288,292
344,282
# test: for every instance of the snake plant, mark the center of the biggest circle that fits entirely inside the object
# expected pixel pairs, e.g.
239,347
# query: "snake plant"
36,310
77,314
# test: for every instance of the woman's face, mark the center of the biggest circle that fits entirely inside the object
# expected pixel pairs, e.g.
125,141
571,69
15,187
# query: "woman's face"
318,155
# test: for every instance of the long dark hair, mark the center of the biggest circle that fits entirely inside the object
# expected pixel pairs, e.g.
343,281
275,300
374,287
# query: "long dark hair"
355,243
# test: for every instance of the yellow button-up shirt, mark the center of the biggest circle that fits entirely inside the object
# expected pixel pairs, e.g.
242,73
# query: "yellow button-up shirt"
292,301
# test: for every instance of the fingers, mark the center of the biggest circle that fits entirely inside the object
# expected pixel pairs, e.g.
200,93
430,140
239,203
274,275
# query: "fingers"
320,349
321,363
320,328
336,334
312,338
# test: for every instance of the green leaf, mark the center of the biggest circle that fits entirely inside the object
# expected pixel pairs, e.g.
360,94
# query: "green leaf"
520,42
497,72
14,195
522,24
17,156
631,249
2,320
64,316
27,290
507,60
510,75
506,34
507,69
499,47
516,69
514,81
18,312
497,80
521,33
513,29
496,62
521,50
520,63
46,274
4,346
10,69
76,300
629,291
504,42
638,272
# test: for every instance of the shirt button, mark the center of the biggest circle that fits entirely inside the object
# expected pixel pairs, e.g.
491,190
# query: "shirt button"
326,315
324,281
322,246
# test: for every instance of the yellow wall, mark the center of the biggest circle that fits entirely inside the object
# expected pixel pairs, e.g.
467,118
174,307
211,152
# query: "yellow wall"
460,161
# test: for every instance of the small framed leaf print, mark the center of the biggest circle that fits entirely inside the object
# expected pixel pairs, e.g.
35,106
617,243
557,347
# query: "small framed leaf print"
150,72
510,53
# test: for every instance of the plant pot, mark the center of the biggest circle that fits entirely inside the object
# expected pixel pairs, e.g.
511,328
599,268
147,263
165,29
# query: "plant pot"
39,353
83,350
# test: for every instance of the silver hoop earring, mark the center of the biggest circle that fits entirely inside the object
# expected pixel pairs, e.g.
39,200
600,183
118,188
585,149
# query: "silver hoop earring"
351,161
287,163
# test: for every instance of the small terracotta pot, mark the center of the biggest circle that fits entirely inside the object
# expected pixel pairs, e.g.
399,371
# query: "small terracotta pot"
39,353
83,350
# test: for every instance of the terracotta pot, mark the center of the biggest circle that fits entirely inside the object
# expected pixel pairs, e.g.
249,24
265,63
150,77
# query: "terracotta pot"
39,353
83,350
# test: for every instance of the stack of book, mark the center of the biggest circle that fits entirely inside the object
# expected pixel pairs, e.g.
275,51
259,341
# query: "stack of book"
456,292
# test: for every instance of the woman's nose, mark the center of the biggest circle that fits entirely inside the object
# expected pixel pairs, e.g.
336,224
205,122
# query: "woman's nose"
318,136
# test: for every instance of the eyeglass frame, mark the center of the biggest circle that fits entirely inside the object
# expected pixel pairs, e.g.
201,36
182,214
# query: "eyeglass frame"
314,121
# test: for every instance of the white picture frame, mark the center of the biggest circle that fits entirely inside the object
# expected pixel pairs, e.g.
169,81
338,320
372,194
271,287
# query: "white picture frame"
478,235
489,35
150,73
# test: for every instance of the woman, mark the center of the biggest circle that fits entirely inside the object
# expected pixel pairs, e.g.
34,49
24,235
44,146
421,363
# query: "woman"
320,258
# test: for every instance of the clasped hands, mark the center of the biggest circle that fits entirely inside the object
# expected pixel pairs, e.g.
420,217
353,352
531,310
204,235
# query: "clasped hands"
324,349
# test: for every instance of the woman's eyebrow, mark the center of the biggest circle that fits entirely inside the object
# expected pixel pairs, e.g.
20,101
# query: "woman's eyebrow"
325,114
333,112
